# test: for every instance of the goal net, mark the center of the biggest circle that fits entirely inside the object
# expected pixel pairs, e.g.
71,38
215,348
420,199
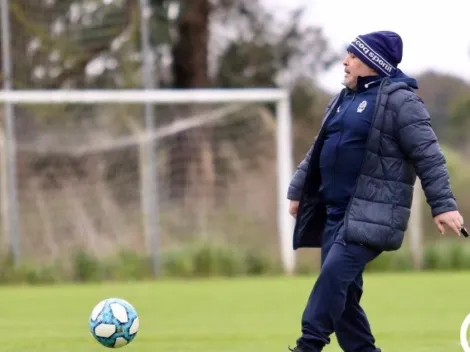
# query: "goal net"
147,171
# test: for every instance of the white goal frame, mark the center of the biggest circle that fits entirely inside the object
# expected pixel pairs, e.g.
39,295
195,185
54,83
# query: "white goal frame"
284,147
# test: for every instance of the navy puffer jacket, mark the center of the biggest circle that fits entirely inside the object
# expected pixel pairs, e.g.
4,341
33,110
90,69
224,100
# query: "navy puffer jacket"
401,145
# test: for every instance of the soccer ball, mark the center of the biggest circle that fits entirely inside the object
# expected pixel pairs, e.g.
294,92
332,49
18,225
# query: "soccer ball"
114,322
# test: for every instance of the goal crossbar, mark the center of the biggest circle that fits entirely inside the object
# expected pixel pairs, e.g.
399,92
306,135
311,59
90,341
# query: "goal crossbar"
133,96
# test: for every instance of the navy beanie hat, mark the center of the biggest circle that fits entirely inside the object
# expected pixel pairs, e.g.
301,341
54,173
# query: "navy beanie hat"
382,51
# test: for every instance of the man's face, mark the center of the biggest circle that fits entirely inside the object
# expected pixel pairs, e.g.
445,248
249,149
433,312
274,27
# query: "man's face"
354,68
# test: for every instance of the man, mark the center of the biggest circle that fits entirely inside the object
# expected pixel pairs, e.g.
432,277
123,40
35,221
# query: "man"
352,193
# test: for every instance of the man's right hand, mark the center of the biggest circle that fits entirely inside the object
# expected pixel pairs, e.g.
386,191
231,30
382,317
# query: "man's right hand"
293,207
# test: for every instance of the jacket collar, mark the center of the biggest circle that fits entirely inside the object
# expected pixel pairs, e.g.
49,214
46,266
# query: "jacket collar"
364,83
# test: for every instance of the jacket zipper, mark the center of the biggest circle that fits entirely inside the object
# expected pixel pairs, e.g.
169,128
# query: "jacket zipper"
376,109
341,137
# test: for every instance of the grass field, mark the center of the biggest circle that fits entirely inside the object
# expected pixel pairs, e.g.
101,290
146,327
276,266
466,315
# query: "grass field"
409,312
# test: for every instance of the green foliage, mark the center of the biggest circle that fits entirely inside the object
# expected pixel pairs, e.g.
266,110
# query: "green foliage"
201,259
30,274
85,267
392,261
207,259
441,256
438,90
447,256
458,125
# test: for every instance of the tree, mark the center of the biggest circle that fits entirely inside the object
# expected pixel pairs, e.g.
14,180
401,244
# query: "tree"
260,52
438,90
55,42
458,128
199,43
190,161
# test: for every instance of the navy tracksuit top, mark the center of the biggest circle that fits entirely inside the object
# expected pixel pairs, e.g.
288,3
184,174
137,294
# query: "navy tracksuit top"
344,145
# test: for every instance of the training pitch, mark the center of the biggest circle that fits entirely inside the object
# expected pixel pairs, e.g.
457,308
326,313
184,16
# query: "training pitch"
408,312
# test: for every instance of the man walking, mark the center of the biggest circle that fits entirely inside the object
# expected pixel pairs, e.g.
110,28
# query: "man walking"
352,193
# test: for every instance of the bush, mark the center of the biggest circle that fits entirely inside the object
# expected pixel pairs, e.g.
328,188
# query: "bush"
204,259
392,261
29,273
447,256
201,259
209,259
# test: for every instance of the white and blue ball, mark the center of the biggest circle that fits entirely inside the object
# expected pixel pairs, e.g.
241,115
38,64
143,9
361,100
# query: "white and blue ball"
114,322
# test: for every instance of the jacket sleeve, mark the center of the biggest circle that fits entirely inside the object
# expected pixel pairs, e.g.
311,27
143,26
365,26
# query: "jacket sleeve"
419,142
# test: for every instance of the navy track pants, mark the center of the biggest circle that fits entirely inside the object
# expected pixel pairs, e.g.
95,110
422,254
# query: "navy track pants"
334,303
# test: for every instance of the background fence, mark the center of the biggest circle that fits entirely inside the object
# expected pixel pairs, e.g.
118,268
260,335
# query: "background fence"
83,177
85,183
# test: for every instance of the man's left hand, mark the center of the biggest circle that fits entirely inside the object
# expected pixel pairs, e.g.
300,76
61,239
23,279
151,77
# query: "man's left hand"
452,219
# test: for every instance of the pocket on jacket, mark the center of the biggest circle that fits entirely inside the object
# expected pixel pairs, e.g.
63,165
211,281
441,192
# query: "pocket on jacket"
400,217
309,223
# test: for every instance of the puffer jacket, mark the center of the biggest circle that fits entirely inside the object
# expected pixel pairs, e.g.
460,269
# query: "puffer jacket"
401,145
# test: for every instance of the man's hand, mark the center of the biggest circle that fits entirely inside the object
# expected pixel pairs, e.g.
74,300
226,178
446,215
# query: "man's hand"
293,207
452,219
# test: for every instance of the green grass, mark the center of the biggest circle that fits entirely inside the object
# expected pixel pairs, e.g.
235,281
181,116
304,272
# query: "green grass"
408,312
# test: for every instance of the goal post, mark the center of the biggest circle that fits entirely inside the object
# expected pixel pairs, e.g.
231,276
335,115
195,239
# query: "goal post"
282,130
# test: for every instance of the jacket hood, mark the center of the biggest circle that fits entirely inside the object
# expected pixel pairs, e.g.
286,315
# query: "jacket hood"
402,77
